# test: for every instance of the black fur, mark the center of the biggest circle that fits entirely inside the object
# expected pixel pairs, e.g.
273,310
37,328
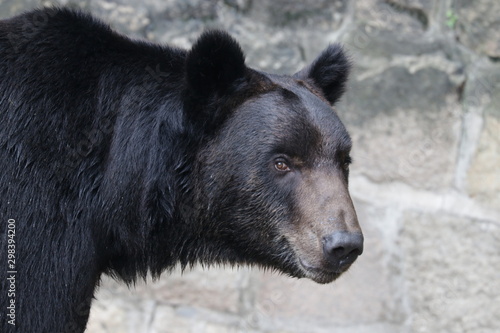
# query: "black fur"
126,157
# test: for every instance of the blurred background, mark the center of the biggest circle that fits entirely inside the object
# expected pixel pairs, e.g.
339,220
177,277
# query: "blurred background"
423,108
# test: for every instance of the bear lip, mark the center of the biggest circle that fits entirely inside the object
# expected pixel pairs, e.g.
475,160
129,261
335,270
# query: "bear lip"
320,275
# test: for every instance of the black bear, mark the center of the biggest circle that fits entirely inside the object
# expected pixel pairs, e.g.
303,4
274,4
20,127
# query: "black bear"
127,158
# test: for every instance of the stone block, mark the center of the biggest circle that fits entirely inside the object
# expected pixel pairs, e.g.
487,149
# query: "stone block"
128,18
478,25
482,99
217,289
385,28
405,121
450,265
112,313
326,15
484,172
382,17
170,319
10,8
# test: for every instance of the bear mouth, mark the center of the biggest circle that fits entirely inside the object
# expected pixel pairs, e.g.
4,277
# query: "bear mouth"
319,275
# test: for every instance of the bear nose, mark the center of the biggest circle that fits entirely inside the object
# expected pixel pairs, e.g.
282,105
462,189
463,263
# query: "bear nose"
341,248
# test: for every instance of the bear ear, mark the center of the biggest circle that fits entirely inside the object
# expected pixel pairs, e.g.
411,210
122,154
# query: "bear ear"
329,72
214,64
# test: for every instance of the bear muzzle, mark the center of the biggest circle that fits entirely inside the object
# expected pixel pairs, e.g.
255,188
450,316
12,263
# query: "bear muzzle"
328,238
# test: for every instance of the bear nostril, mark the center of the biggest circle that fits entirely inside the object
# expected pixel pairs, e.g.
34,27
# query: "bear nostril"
342,248
338,251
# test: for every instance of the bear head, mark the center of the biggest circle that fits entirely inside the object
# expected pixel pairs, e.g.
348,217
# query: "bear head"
270,176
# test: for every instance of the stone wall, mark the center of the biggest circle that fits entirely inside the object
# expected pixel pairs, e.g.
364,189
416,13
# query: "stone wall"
423,108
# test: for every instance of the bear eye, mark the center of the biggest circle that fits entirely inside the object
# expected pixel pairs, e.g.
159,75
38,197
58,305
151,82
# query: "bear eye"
281,165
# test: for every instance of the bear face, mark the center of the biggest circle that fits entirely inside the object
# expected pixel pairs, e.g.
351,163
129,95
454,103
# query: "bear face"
271,179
